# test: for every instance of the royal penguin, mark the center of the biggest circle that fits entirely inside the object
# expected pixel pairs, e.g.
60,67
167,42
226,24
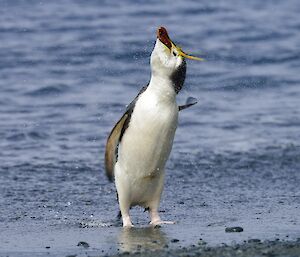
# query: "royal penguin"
140,143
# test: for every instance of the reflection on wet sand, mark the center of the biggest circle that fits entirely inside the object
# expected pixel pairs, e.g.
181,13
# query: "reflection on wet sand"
148,238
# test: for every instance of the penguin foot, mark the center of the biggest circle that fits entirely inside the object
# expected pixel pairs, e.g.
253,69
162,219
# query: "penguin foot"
128,226
157,223
127,222
155,219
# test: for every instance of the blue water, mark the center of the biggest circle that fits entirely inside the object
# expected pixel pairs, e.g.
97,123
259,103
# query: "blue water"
69,68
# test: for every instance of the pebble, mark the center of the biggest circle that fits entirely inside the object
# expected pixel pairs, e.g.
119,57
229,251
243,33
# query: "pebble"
201,242
174,240
83,244
233,229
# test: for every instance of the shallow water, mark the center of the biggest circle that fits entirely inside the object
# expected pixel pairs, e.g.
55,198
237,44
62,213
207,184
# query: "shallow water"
67,72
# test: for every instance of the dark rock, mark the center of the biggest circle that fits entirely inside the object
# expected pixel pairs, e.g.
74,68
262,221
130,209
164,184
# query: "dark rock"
233,229
174,240
47,247
201,242
83,244
254,240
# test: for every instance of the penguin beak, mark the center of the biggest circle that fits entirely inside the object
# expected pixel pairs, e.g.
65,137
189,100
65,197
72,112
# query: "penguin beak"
163,36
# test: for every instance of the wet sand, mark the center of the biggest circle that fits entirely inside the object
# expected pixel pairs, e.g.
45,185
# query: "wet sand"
108,239
146,242
248,249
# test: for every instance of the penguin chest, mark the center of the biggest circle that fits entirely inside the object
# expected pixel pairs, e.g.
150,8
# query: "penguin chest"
147,142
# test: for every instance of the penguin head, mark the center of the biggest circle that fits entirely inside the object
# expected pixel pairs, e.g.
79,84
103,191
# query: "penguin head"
168,60
165,58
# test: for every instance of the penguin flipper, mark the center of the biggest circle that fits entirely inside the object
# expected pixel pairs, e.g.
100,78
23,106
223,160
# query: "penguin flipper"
190,101
112,147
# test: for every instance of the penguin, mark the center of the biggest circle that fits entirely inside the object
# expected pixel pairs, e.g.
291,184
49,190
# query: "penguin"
140,143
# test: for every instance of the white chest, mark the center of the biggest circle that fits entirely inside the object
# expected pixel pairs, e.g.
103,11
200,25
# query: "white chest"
148,140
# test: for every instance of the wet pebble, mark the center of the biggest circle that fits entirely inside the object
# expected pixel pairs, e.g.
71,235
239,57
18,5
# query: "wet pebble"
201,242
83,244
233,229
254,240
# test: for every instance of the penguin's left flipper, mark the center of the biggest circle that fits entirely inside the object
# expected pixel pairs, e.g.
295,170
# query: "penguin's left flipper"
115,136
190,101
112,147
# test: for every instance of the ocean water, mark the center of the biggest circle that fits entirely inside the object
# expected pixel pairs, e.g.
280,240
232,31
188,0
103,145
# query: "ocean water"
69,68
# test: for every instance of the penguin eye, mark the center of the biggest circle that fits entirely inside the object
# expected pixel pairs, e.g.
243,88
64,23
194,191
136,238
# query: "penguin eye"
174,53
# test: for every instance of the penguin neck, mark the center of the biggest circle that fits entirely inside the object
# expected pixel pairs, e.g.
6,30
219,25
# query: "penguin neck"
162,87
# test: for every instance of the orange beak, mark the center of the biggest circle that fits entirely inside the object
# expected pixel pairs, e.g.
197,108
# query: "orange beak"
163,36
